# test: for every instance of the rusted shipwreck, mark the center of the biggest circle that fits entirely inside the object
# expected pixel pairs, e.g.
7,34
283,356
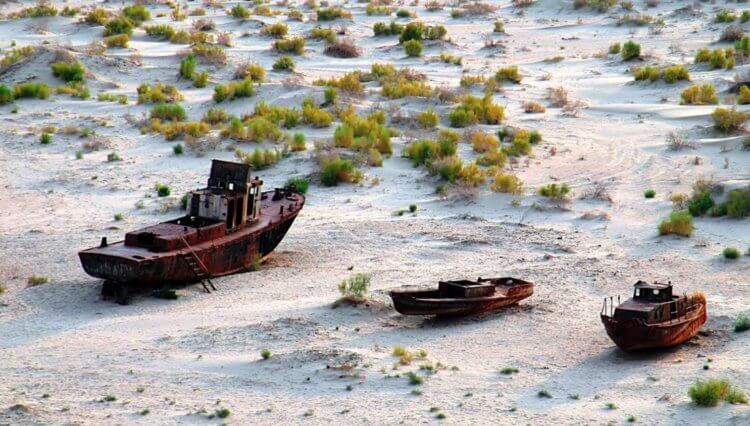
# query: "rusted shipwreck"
229,226
653,317
462,297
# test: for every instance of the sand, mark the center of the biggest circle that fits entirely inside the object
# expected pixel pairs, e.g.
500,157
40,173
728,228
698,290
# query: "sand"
64,351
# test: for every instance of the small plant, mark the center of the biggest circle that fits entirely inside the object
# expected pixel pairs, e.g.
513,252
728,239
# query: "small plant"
68,72
611,406
298,142
187,66
265,353
240,12
165,111
708,393
223,413
428,119
702,94
507,183
163,190
36,280
284,63
31,90
118,217
413,48
414,378
300,185
165,293
554,191
649,193
295,45
615,48
742,323
118,25
45,139
729,120
354,289
509,370
276,30
412,208
508,74
233,90
543,394
630,50
731,253
337,170
679,223
178,149
109,398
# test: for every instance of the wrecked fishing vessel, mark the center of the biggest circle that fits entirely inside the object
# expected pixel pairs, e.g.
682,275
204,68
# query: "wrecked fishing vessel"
462,297
229,227
653,317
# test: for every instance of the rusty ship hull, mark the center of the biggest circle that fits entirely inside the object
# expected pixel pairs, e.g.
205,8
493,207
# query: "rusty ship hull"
508,291
635,334
218,251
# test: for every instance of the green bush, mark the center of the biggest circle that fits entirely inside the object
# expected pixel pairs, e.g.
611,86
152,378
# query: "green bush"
161,30
284,63
700,203
731,253
738,203
298,142
615,48
708,393
97,16
675,73
428,119
119,25
729,120
649,193
507,183
200,79
742,323
725,16
332,13
45,139
294,45
326,34
137,13
233,90
158,93
187,66
165,111
119,40
679,223
355,288
163,190
630,50
699,95
239,11
554,191
215,116
336,169
276,30
508,73
6,94
300,185
413,48
31,90
68,72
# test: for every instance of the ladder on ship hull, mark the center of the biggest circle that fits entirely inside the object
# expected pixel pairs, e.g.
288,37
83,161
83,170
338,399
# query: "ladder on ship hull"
197,267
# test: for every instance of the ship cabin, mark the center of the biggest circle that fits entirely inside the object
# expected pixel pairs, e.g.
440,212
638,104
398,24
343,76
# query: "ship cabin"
231,200
651,302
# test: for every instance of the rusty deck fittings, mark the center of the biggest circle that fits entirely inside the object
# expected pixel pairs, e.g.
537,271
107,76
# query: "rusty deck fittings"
462,297
653,317
229,226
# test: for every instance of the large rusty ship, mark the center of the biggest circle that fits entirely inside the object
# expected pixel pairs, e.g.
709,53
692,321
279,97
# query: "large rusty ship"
229,226
654,317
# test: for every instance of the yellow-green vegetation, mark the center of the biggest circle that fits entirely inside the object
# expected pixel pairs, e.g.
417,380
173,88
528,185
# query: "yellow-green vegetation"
400,87
158,93
474,110
413,48
252,129
68,72
717,58
507,183
670,74
363,133
284,63
508,74
679,223
326,34
336,170
555,191
349,82
215,116
406,356
295,45
332,13
233,90
15,55
209,53
630,50
354,289
160,30
276,30
428,119
176,129
119,40
729,119
484,142
259,159
450,59
278,115
744,96
118,25
35,280
165,111
74,89
708,393
97,16
315,116
699,94
31,90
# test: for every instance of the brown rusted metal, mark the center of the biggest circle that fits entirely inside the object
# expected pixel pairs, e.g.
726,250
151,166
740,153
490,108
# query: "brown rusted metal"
462,297
229,226
653,317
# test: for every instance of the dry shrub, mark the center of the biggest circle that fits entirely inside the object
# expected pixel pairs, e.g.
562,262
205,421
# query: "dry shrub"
598,191
558,96
732,33
343,49
677,142
204,24
533,107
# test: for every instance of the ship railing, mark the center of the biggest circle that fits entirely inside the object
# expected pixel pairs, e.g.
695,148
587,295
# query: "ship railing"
608,308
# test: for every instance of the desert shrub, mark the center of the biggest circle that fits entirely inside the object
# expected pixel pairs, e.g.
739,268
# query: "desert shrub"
137,13
162,190
728,119
738,203
731,253
742,323
215,116
732,33
332,13
298,142
210,53
474,110
630,50
354,289
158,93
702,94
120,40
97,16
41,10
160,30
675,73
448,168
259,159
294,45
377,10
118,25
533,107
335,170
15,55
300,185
507,183
404,13
240,12
200,79
233,90
424,152
702,55
31,90
349,82
6,94
35,280
295,15
381,29
428,119
483,142
708,393
75,89
744,96
649,193
472,175
342,49
700,203
554,191
413,48
187,66
331,96
255,72
284,63
742,46
499,26
678,223
397,88
166,111
451,59
508,73
315,116
615,48
45,139
68,71
180,37
725,16
277,30
326,34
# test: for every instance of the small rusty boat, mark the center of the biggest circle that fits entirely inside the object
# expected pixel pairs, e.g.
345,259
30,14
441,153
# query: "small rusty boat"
462,297
653,317
229,226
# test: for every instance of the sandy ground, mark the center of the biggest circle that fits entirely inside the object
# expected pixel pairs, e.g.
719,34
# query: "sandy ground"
64,351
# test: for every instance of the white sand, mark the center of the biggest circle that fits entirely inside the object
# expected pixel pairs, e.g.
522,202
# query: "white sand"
62,350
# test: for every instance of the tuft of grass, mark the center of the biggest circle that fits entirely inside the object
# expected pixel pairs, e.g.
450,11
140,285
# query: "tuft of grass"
35,280
68,72
649,193
630,50
266,353
708,393
414,378
295,45
45,139
508,370
731,253
31,90
413,48
223,413
118,217
508,74
729,119
678,223
742,323
543,394
554,191
163,190
166,111
301,185
355,288
284,63
611,406
337,170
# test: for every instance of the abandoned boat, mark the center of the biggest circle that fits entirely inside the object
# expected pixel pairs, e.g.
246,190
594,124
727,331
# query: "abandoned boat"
462,297
653,317
229,227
